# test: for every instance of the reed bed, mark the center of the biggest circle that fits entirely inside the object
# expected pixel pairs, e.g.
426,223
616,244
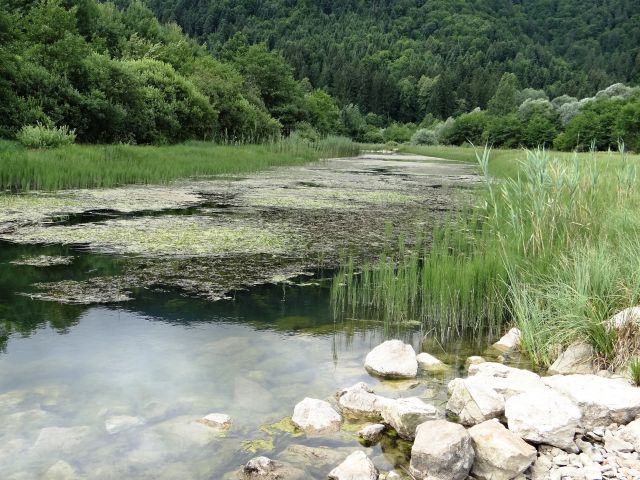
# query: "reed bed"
92,166
552,246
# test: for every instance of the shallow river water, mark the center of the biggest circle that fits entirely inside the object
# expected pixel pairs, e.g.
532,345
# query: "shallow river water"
168,357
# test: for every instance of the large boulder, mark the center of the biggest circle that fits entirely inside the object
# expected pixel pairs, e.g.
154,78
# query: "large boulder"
544,416
316,417
392,359
631,314
360,401
577,358
510,341
442,451
357,466
499,453
405,414
473,402
507,381
601,401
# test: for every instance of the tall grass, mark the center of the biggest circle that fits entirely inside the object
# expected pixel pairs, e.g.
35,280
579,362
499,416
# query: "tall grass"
552,246
90,166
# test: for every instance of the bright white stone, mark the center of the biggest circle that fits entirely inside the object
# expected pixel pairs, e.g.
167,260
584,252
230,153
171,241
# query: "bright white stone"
316,417
509,341
507,381
357,466
631,433
631,314
216,420
577,358
430,363
405,414
442,451
602,401
392,359
544,416
499,453
473,402
372,433
360,401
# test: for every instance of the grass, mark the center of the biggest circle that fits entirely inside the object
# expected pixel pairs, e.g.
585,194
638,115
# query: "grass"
91,166
551,246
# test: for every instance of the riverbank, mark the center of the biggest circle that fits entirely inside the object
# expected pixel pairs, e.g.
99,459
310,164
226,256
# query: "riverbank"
102,166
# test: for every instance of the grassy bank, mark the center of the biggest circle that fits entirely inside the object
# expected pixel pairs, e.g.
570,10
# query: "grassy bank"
551,246
90,166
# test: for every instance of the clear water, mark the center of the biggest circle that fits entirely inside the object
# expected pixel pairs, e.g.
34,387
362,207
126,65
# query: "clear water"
171,359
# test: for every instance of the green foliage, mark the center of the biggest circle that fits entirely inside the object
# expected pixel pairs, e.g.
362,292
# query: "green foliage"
504,101
398,132
424,136
634,370
323,111
42,136
468,127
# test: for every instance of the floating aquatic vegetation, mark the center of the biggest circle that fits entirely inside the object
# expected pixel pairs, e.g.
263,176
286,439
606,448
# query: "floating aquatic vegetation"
259,445
94,290
44,261
284,426
166,235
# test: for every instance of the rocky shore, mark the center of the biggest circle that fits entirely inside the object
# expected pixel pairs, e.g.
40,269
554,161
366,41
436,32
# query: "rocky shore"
499,423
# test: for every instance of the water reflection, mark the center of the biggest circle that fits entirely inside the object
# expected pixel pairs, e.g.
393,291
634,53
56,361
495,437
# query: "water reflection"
167,360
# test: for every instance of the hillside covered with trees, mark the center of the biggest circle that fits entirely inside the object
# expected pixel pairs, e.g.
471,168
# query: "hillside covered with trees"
404,59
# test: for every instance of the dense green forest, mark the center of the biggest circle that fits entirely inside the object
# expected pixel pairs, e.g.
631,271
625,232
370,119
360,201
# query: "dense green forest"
406,58
118,75
439,72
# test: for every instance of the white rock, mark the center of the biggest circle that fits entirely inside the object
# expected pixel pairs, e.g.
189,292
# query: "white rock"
60,470
216,420
263,468
360,401
316,417
505,380
509,341
631,434
442,451
543,416
430,363
372,433
602,401
120,423
357,466
405,414
631,314
499,453
392,359
577,358
473,402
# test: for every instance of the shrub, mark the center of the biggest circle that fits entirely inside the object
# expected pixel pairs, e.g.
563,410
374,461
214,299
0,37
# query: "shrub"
43,136
634,370
424,136
398,132
373,135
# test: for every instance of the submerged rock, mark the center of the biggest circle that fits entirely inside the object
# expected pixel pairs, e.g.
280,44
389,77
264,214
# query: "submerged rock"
61,439
405,414
499,453
60,470
544,416
510,341
474,360
430,363
392,359
357,466
318,457
360,401
577,358
442,451
601,401
120,423
473,402
263,468
217,420
316,417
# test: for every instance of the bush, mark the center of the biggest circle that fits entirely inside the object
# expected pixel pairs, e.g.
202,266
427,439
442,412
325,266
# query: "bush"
42,136
373,135
424,136
399,132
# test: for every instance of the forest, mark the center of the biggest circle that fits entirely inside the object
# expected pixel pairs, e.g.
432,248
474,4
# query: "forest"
505,73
